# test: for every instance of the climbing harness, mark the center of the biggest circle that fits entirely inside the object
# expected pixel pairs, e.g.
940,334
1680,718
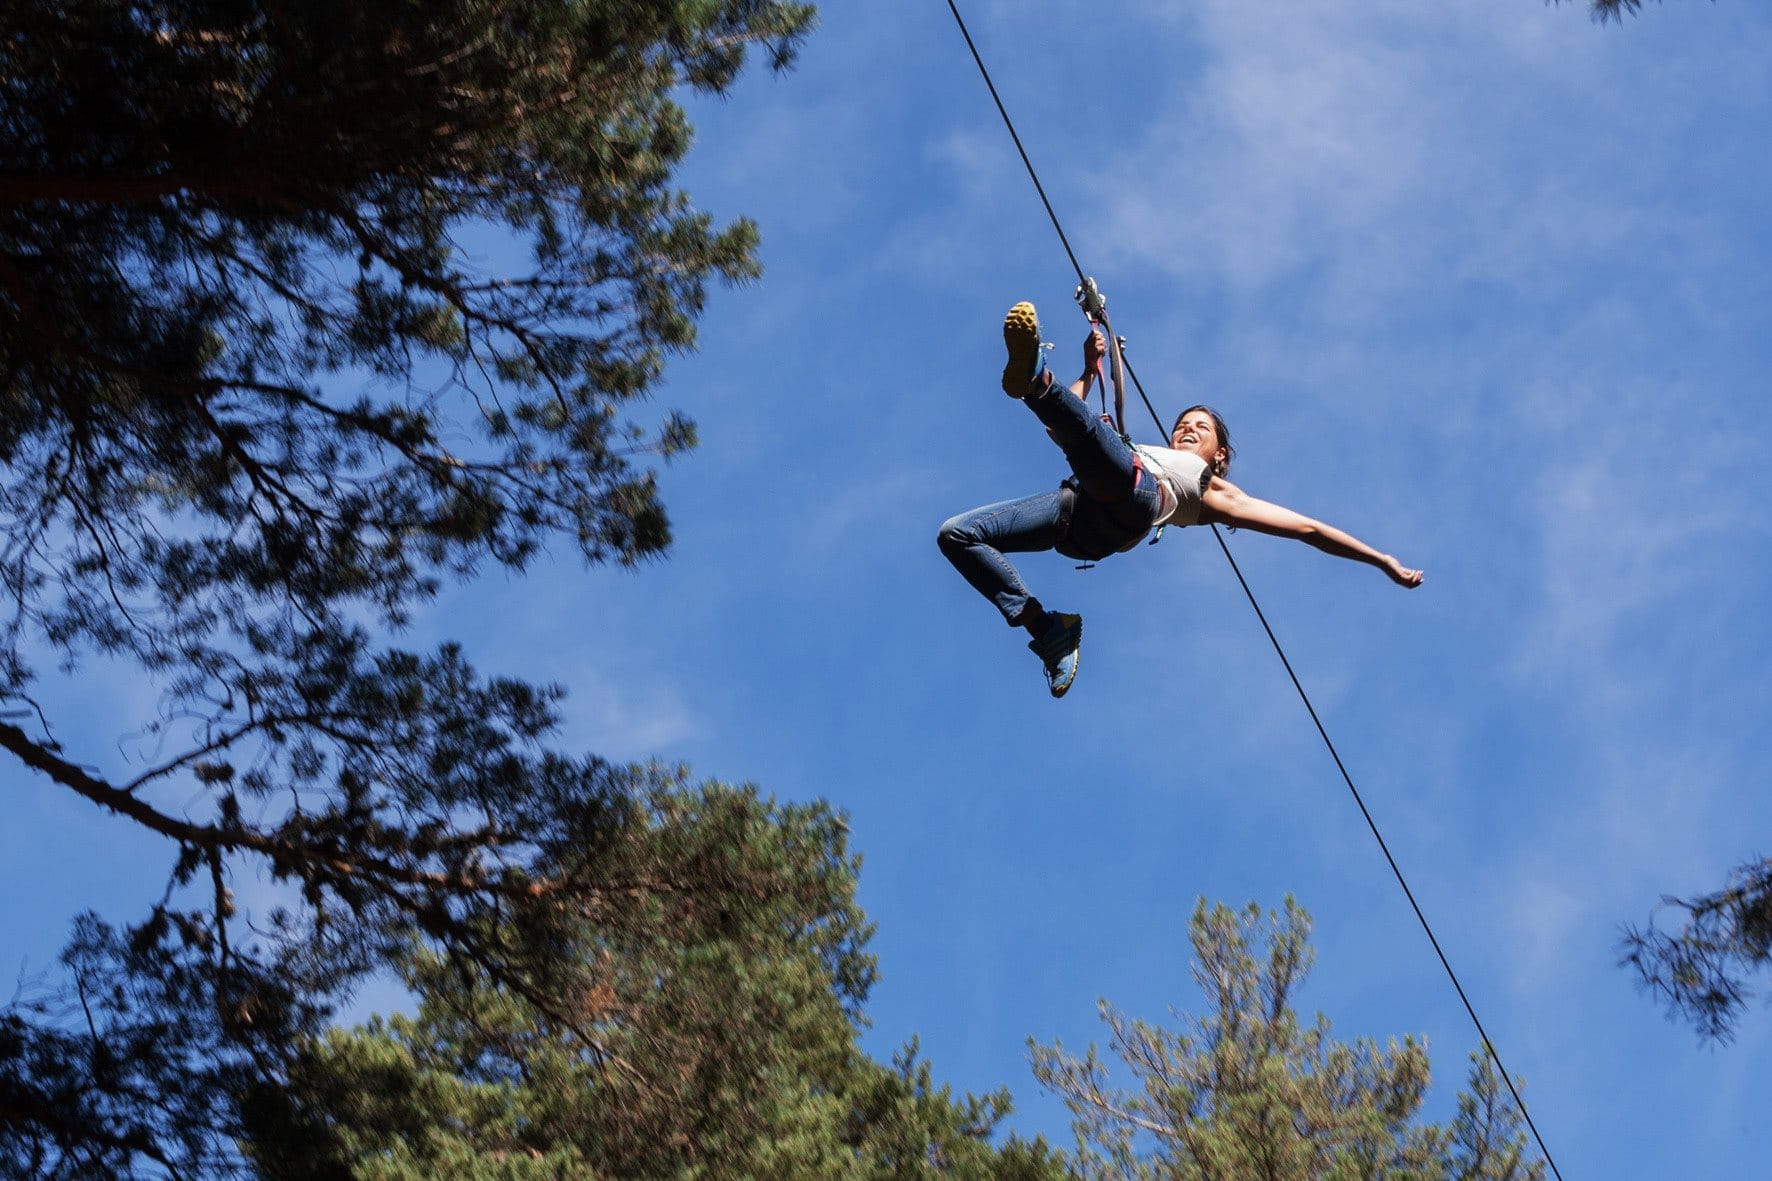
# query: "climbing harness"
1088,294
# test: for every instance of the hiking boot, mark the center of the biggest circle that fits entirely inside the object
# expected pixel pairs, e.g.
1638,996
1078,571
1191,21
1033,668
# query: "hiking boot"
1057,647
1027,359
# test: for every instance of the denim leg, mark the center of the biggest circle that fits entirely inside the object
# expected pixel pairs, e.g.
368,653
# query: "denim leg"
1097,454
975,543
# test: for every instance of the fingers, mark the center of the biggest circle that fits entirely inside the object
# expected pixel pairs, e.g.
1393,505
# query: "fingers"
1094,349
1402,575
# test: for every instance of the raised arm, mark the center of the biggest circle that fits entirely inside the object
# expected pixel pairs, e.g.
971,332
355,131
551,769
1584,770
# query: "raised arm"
1225,503
1094,349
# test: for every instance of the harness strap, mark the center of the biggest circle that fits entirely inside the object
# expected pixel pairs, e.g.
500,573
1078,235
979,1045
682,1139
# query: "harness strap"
1119,375
1067,504
1094,305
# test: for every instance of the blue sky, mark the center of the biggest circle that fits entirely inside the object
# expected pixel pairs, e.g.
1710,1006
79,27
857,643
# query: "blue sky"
1481,282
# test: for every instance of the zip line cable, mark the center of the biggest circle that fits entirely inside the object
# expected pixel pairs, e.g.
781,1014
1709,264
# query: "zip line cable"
1041,189
1260,615
1026,163
1385,849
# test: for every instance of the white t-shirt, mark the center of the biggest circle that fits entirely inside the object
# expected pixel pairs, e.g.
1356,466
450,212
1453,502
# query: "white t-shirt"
1183,477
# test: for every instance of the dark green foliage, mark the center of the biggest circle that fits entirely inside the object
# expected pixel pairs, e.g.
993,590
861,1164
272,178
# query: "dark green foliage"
1250,1092
712,1035
133,1070
209,208
261,390
1701,970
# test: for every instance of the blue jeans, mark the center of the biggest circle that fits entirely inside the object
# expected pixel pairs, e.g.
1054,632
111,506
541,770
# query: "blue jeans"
1115,503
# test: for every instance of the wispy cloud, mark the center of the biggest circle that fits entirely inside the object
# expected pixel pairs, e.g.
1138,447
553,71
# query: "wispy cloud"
635,720
1304,134
1635,511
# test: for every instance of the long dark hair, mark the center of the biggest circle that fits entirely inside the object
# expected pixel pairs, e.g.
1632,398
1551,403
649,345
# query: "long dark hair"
1224,436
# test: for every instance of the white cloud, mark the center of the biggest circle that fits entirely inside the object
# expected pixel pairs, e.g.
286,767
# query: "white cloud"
1631,503
1302,134
635,720
1548,922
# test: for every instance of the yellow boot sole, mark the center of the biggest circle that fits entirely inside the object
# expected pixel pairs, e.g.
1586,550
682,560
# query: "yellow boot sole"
1021,336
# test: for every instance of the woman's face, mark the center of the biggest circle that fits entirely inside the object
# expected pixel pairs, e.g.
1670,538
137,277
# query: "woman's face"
1195,432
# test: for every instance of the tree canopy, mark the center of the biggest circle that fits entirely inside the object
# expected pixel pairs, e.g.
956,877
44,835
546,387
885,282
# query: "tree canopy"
716,1038
1703,968
304,310
1250,1091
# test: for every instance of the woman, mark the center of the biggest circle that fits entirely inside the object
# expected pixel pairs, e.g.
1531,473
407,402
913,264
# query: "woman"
1115,494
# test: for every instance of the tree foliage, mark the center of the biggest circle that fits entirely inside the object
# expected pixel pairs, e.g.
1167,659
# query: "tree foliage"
1613,10
713,1039
1702,969
1604,11
1251,1092
304,309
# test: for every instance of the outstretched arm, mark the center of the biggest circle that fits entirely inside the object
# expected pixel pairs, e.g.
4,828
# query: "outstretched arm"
1225,503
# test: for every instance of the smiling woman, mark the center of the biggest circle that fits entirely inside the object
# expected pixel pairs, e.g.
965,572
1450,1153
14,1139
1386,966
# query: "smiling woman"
1116,493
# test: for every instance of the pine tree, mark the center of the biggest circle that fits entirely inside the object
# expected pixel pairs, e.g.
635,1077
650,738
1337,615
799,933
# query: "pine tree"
716,1039
1702,969
261,393
1250,1093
